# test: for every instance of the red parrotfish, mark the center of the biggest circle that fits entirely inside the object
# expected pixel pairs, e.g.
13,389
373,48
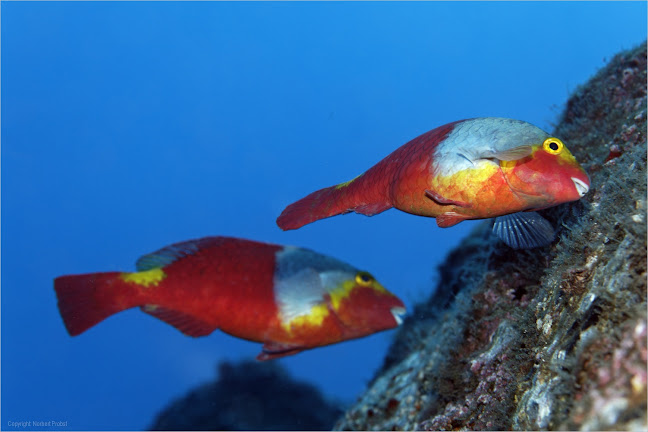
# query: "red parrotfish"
469,169
288,298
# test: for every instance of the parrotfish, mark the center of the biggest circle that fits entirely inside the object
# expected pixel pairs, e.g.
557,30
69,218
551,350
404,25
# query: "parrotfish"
288,298
470,169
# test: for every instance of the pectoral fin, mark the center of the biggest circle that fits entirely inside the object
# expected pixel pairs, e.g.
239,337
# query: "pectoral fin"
511,154
439,199
273,350
523,230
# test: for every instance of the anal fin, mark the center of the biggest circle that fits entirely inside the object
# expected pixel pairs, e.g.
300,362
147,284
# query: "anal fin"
372,209
187,324
274,350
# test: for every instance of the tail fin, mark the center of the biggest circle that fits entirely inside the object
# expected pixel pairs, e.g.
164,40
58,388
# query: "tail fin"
327,202
86,300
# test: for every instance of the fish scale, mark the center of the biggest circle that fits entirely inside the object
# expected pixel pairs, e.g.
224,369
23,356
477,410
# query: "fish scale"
469,169
288,298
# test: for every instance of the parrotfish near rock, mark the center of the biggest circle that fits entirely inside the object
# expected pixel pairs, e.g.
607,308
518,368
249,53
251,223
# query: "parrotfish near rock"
288,298
470,169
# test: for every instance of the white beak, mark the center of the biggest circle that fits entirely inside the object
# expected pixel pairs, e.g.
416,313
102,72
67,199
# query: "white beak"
581,187
397,312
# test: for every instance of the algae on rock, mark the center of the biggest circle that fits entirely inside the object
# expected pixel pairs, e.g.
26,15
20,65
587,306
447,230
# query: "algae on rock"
548,338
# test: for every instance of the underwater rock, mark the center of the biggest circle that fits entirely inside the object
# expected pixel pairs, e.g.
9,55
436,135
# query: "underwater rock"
547,338
250,396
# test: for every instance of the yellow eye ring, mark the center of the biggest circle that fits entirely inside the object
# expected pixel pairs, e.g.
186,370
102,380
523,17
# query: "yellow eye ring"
364,279
553,145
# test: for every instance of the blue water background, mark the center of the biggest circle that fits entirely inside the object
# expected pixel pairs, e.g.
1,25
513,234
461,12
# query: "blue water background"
130,126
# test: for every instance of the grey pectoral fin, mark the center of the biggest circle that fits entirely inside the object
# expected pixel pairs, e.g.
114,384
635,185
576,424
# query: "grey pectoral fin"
274,350
511,154
524,230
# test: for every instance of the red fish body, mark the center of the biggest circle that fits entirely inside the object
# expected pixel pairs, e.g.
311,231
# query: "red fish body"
469,169
288,298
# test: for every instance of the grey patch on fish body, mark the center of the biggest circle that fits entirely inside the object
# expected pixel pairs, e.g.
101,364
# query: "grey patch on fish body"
296,295
302,279
475,141
524,230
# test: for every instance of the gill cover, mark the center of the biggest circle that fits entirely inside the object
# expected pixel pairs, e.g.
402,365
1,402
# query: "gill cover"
304,282
310,286
554,177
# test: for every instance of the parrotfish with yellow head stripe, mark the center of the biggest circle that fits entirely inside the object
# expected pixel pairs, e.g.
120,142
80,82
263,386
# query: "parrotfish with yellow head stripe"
290,299
470,169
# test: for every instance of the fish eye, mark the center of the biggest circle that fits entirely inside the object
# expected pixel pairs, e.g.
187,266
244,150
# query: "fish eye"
553,145
364,278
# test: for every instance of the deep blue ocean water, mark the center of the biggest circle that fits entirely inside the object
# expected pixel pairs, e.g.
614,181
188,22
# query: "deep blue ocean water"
130,126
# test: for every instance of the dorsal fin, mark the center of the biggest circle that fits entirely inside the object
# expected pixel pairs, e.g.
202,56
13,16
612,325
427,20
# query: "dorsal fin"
176,251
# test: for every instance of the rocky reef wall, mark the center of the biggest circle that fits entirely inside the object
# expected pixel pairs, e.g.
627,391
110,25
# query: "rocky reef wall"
548,338
250,396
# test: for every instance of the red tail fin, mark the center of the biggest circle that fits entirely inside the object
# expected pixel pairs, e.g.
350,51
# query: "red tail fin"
331,201
85,300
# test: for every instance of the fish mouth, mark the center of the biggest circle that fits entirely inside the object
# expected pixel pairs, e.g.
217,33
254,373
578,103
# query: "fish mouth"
397,312
581,186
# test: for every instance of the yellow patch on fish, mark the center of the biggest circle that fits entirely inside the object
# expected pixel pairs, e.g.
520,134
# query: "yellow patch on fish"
344,290
508,165
317,313
467,185
341,292
347,183
314,318
563,156
145,278
566,158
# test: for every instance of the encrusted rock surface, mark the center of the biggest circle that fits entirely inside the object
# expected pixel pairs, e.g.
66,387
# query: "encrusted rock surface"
250,396
548,338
